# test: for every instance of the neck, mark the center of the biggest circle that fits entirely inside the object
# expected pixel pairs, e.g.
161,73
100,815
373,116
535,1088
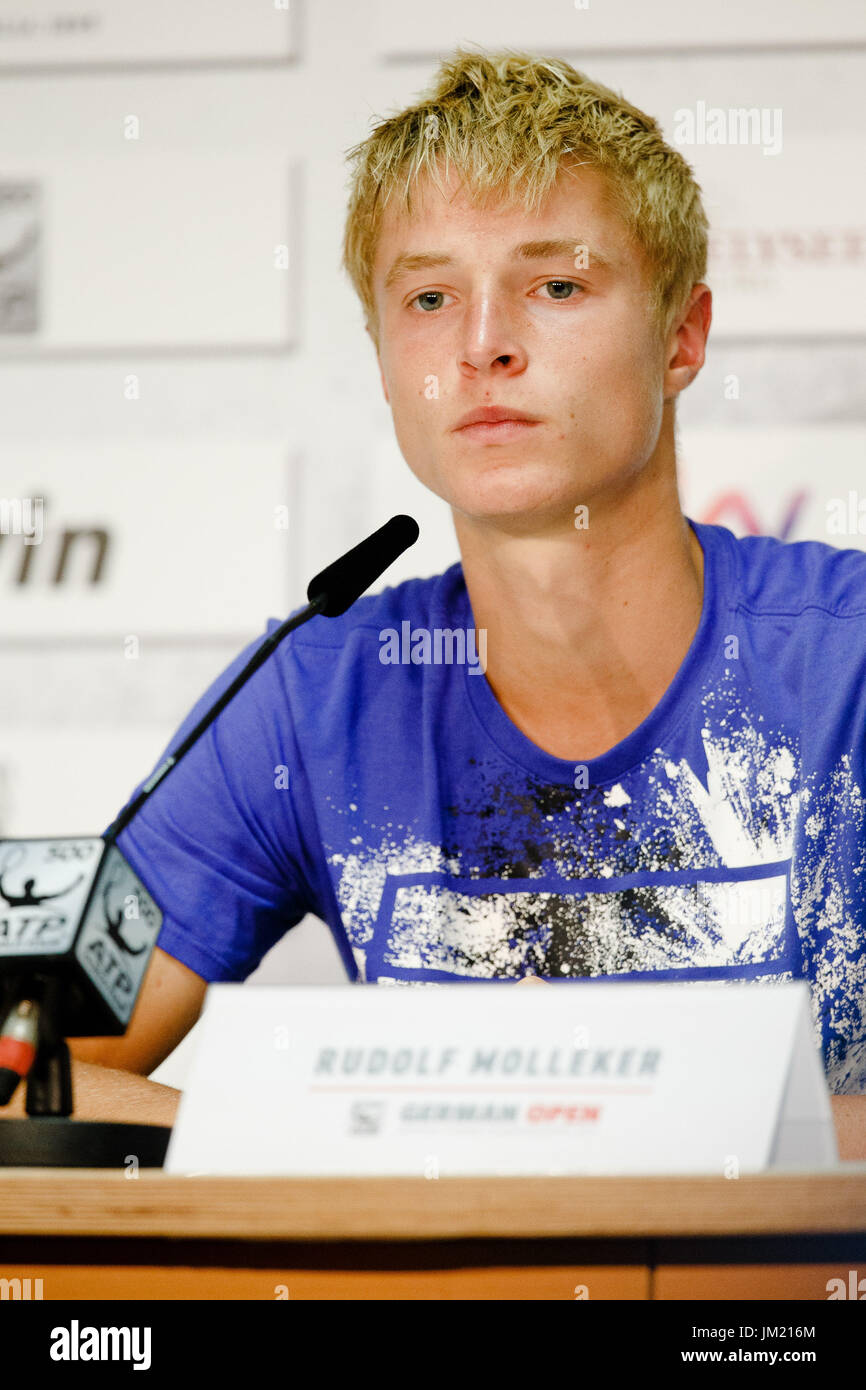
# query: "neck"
586,629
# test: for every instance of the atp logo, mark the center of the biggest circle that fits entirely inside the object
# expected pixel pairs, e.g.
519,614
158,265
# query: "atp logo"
29,897
121,906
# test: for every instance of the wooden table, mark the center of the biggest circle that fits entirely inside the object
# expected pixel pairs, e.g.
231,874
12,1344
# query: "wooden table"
93,1234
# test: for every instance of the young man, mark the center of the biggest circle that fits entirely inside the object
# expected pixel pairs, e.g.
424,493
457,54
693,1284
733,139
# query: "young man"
659,771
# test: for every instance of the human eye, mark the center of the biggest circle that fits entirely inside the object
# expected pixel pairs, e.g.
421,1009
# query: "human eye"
427,294
563,284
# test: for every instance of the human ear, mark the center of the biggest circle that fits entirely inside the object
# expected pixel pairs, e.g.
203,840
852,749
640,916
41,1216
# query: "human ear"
686,346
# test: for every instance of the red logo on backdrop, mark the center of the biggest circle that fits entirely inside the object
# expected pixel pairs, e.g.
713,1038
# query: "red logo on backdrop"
737,508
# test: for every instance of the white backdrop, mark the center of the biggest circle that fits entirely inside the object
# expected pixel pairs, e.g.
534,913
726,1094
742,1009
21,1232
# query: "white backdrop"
183,366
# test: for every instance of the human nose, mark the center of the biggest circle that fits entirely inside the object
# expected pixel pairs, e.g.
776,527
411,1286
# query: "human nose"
489,339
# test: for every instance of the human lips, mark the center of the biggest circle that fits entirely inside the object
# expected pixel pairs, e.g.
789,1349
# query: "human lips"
495,422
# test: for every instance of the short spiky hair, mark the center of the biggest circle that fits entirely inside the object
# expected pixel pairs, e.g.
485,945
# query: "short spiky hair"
508,122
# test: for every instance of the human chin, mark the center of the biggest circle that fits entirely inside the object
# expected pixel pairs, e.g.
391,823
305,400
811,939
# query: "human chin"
508,490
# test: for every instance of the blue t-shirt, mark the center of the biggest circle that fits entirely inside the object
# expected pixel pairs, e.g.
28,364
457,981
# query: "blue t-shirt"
391,796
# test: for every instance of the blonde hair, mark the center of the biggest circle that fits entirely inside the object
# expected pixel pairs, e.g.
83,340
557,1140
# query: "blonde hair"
508,122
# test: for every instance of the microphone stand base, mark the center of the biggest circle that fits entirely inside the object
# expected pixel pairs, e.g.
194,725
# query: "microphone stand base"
55,1141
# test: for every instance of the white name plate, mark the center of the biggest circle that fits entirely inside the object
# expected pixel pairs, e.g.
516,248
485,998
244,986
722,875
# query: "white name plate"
491,1079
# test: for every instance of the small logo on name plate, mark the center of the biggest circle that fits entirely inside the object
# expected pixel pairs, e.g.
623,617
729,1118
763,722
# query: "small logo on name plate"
365,1117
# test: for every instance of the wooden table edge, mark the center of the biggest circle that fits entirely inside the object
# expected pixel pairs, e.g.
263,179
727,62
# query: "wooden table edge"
81,1202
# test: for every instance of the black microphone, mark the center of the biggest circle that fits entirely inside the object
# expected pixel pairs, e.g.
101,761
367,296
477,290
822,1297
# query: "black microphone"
77,925
346,579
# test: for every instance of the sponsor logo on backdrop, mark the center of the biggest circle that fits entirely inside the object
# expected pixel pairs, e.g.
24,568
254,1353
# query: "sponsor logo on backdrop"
754,248
35,558
735,510
20,237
